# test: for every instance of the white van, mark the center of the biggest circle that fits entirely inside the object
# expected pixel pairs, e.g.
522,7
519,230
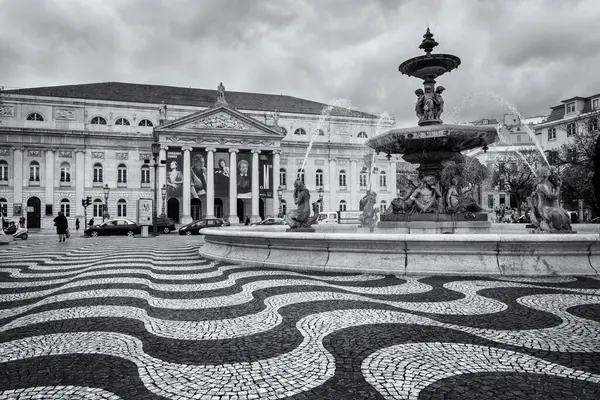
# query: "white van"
328,218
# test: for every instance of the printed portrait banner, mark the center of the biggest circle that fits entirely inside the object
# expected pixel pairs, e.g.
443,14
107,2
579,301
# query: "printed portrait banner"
174,173
222,174
244,175
198,174
265,180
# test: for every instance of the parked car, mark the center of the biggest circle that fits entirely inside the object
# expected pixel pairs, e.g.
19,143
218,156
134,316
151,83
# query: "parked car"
163,224
117,226
194,228
271,221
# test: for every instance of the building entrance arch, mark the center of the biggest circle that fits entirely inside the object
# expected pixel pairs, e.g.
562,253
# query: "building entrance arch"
34,213
173,209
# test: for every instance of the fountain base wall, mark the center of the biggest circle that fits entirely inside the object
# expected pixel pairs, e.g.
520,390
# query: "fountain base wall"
398,254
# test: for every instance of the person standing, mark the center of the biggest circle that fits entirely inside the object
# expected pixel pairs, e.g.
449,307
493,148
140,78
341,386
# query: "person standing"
91,223
77,224
62,225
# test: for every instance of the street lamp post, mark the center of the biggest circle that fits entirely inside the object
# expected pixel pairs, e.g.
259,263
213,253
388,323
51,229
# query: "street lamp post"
163,192
155,152
321,193
105,213
280,197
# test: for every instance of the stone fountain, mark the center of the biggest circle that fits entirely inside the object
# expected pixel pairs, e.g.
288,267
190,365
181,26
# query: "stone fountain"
417,244
430,207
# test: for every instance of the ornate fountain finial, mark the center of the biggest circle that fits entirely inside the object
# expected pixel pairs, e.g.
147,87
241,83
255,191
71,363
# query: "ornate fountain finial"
428,42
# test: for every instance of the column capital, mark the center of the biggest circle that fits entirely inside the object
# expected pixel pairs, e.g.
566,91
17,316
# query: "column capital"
79,151
234,150
47,149
276,152
18,148
257,151
213,149
331,159
186,148
164,147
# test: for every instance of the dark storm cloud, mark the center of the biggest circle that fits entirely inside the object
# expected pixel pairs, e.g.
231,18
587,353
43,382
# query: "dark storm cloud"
533,53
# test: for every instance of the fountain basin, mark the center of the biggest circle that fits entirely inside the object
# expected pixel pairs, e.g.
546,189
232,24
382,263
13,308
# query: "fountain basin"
440,138
429,66
399,254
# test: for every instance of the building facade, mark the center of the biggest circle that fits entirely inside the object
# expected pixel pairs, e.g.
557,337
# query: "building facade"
60,145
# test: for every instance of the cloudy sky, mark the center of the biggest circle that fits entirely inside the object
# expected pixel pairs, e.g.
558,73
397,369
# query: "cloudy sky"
532,53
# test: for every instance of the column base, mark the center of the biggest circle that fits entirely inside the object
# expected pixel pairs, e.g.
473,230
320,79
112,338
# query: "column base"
234,219
186,219
255,218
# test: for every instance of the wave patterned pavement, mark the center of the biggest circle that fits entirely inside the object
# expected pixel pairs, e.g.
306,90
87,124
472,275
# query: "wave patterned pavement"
114,318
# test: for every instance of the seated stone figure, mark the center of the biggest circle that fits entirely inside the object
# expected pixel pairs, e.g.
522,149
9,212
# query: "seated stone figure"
368,206
300,217
548,215
425,198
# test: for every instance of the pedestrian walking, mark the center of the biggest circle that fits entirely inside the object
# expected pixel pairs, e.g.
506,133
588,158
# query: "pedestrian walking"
91,223
62,225
77,224
247,221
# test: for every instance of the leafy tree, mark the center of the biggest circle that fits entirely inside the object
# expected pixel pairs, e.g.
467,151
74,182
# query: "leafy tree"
469,172
515,173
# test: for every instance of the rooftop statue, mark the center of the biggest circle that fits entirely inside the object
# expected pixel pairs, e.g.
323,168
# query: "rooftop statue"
162,110
221,93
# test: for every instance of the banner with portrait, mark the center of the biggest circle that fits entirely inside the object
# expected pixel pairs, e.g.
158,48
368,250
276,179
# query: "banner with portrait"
222,174
174,172
197,173
265,180
244,175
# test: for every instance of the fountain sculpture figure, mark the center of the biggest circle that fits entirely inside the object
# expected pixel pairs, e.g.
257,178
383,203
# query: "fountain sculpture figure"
300,220
547,215
432,145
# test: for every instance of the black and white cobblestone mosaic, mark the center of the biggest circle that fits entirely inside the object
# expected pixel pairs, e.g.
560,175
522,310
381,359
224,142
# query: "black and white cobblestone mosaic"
149,319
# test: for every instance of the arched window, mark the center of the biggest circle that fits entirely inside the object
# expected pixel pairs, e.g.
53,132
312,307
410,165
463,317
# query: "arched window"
362,178
282,175
362,135
382,206
283,130
65,207
65,172
121,173
319,178
98,173
3,207
146,122
98,121
343,205
3,170
300,175
35,117
121,208
283,207
121,121
321,132
342,179
300,131
382,179
34,171
145,174
97,208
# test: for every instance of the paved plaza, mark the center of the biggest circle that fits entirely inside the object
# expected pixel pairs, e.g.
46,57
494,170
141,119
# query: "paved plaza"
135,318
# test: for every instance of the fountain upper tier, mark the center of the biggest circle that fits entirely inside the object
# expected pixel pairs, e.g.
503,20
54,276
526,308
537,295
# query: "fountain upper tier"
429,66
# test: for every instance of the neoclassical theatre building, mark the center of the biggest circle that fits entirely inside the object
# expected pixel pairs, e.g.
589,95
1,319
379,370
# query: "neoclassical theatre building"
222,154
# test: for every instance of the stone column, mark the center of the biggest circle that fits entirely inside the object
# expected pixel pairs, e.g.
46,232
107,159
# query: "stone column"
354,195
392,179
162,176
79,182
49,180
255,217
210,182
18,168
333,183
186,218
233,217
276,167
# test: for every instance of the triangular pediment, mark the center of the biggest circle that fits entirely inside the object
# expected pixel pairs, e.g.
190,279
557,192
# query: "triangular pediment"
219,120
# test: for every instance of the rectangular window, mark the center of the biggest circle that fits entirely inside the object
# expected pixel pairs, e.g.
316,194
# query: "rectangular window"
122,210
122,175
551,133
363,180
282,178
34,173
66,209
319,179
65,174
571,129
570,108
3,172
145,175
593,125
491,201
98,208
595,104
342,180
98,174
382,181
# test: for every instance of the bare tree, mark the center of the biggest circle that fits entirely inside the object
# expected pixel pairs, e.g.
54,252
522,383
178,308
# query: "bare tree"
515,173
